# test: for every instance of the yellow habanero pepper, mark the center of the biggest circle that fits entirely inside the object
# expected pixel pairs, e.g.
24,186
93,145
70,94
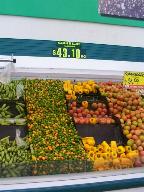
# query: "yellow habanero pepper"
114,145
88,87
75,88
128,149
93,121
106,155
123,155
113,154
91,82
91,155
74,97
106,147
98,155
132,155
67,81
90,141
79,83
126,163
100,148
68,97
85,104
65,86
116,163
80,90
121,149
70,92
99,163
87,147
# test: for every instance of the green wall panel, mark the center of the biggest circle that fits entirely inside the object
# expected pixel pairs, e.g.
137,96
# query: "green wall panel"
80,10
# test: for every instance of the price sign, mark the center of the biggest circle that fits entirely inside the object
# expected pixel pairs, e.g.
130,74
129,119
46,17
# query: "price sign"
69,50
134,80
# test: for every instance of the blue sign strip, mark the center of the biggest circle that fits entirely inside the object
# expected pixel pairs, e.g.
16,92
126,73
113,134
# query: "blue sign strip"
44,48
95,187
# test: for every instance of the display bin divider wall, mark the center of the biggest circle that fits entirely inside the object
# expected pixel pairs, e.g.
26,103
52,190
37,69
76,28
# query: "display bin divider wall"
101,132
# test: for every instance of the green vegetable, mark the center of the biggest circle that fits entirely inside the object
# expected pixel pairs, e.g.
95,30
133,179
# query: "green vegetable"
12,158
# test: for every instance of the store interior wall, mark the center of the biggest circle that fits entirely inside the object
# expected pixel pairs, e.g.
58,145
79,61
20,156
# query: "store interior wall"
47,29
44,29
50,29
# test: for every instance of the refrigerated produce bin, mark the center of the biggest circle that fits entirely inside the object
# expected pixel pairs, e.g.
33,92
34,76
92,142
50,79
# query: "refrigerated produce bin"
65,180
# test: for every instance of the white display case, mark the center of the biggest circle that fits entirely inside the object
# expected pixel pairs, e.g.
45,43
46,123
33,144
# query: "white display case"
54,68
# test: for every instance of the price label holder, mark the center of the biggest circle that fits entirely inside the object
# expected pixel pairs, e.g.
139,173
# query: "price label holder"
133,80
66,49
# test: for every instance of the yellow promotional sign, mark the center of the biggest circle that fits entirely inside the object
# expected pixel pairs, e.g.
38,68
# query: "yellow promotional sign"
133,80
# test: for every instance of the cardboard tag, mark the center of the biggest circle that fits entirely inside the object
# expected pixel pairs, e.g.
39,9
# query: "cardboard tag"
133,80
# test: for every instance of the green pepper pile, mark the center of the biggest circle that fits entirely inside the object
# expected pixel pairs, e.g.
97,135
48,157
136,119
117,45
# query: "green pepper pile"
52,134
13,158
12,101
12,90
10,153
12,110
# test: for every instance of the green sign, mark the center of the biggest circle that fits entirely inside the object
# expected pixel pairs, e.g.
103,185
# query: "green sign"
80,10
69,50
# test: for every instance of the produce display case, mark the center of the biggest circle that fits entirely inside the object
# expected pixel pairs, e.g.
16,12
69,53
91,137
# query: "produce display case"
71,169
